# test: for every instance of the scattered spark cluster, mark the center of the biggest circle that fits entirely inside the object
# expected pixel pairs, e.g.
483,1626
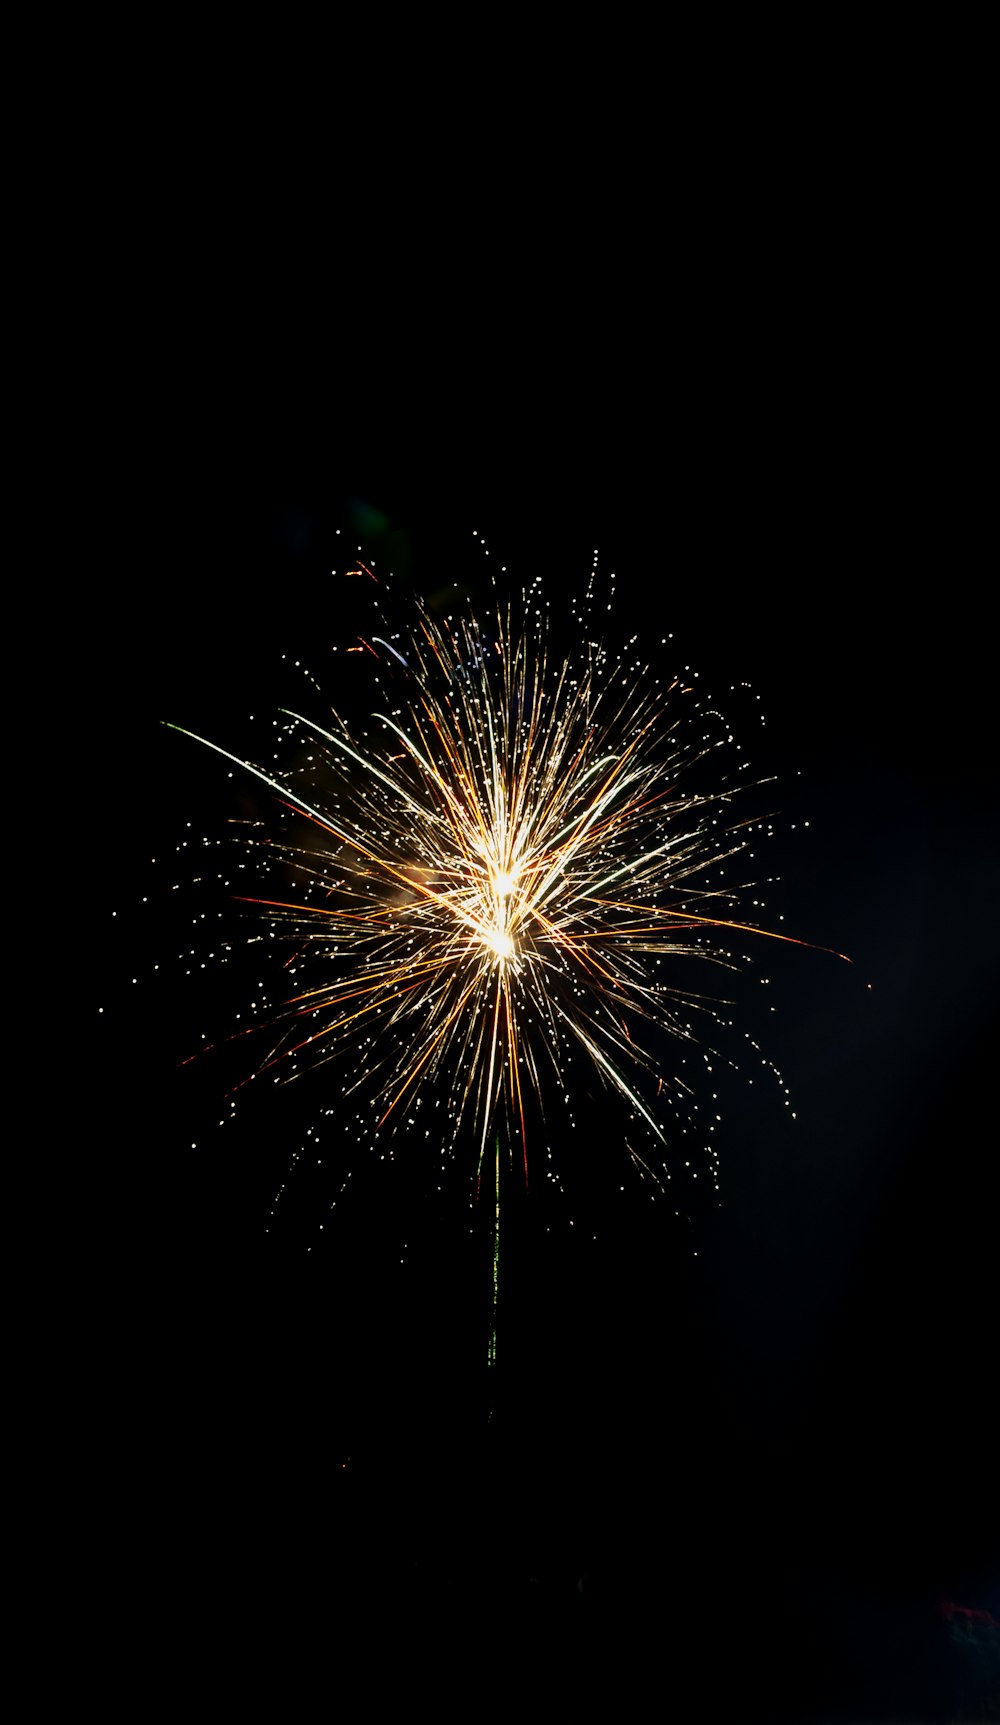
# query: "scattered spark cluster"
489,889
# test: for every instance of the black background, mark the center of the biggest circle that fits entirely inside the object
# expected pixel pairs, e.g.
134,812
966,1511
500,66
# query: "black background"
753,1456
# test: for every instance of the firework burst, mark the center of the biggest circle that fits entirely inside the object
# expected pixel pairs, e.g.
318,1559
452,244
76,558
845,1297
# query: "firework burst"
492,880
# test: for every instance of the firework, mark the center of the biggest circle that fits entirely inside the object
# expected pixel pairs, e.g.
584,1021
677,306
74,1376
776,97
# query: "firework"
492,879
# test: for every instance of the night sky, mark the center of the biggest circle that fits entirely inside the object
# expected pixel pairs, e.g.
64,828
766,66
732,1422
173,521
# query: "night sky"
752,1453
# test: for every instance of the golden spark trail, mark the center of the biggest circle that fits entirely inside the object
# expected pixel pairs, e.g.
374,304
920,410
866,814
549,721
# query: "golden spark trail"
505,890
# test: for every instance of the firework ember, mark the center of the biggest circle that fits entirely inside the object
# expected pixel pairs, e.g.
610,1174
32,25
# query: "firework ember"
490,878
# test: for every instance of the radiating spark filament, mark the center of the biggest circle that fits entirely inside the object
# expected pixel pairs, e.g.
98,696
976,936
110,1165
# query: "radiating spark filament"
451,907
